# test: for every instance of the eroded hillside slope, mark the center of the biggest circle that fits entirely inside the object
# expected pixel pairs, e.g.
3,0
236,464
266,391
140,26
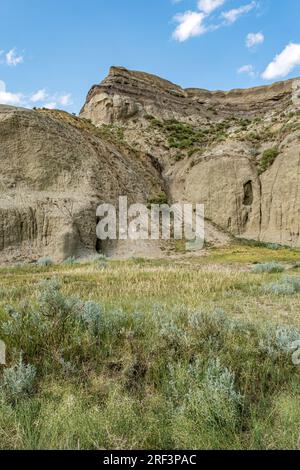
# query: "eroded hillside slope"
138,135
237,152
55,170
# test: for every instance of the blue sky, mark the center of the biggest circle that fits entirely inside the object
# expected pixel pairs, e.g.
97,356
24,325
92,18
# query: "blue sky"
52,51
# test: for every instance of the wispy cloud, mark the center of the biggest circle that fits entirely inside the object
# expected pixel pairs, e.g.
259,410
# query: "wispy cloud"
51,105
190,25
208,6
233,15
65,100
51,101
13,59
196,23
40,98
40,95
6,97
283,63
254,39
248,70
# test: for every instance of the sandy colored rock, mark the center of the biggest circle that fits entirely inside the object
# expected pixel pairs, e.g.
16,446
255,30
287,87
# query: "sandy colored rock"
53,176
225,174
142,136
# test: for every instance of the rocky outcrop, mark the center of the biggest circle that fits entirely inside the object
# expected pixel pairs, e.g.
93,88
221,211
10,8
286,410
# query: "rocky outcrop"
127,95
280,195
142,136
54,173
211,146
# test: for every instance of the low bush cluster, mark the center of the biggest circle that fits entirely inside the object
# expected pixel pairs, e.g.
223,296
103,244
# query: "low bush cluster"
93,377
268,268
44,261
268,158
288,285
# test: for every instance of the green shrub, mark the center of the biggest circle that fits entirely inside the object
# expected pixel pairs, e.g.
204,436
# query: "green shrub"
268,158
278,288
289,285
279,340
273,246
210,411
268,268
92,315
185,378
46,261
18,380
160,199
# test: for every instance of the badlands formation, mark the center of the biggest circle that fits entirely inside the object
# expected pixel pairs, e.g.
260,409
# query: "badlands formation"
236,152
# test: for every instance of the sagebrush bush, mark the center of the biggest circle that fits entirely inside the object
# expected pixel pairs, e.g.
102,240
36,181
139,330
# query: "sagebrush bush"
55,325
268,268
292,281
46,261
279,341
208,406
184,378
277,288
273,246
18,380
288,285
92,315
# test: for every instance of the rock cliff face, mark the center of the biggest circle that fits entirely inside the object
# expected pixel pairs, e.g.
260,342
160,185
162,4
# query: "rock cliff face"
55,171
237,152
126,95
138,135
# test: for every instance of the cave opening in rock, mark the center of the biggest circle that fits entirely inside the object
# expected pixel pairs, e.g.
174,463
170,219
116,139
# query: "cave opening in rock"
98,241
98,246
248,194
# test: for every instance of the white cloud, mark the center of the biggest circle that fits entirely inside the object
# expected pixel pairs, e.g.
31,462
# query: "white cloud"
51,105
12,59
208,6
193,23
190,25
233,15
51,100
247,69
6,97
253,39
283,63
40,95
65,100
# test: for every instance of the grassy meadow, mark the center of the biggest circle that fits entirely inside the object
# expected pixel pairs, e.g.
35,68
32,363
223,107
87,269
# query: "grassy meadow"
183,353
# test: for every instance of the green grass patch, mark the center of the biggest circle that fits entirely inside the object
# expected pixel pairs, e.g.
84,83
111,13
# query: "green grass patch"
190,353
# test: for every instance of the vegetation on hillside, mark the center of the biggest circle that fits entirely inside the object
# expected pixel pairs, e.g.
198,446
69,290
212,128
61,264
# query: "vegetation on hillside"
268,158
194,353
183,136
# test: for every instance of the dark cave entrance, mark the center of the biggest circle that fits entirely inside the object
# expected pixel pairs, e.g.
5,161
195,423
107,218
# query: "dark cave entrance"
248,194
98,241
98,246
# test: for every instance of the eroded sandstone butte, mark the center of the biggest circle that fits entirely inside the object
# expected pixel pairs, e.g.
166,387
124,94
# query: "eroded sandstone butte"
55,170
138,135
238,152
